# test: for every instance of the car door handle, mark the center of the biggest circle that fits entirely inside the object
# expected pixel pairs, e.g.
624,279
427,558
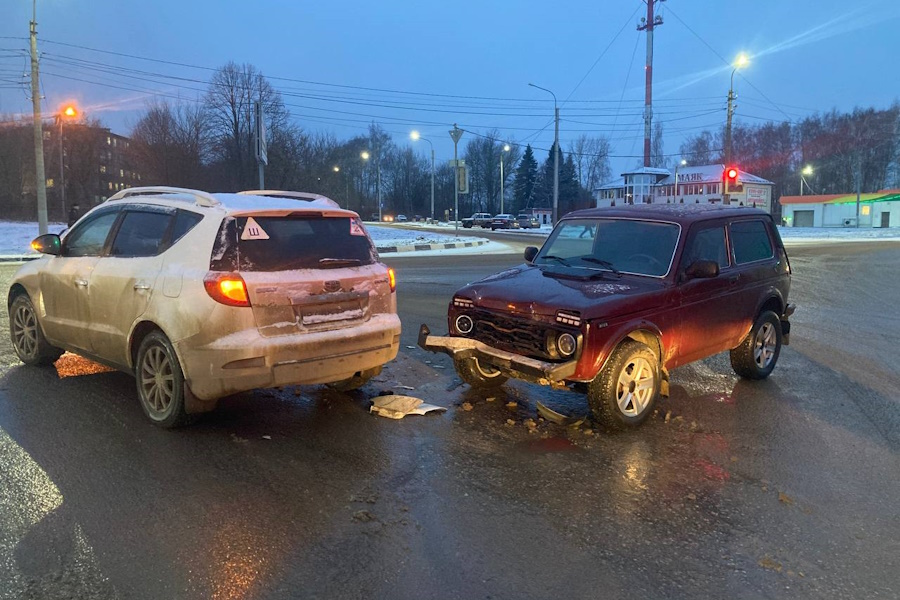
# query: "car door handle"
81,282
734,279
141,286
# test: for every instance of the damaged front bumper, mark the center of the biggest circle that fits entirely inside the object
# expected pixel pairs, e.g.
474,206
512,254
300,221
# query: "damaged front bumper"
509,363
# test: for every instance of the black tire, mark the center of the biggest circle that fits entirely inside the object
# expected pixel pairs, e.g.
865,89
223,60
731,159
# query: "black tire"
355,382
27,337
611,394
755,358
478,376
160,382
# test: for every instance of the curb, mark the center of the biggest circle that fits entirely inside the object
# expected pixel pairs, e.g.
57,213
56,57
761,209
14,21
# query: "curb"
416,247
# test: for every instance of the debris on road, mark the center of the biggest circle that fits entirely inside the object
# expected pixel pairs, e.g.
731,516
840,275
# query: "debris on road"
394,406
467,406
267,437
510,422
364,516
512,405
555,417
491,399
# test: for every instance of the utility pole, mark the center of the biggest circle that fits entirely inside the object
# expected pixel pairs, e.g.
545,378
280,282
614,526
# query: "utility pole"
648,24
40,181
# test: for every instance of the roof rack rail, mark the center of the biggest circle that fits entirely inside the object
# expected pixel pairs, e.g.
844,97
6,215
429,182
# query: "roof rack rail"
307,196
199,198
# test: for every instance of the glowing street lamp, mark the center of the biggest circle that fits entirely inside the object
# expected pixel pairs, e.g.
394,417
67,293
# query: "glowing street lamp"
67,112
807,170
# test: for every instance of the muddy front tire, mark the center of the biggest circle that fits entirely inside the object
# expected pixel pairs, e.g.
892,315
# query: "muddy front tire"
624,392
27,336
160,382
755,358
477,375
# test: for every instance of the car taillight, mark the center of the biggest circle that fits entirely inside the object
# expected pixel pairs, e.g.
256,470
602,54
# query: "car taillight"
226,288
392,279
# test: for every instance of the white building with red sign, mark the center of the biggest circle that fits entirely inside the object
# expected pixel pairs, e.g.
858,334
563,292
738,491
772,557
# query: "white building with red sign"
700,184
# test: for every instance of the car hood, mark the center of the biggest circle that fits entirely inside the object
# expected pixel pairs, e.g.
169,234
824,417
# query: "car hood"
545,289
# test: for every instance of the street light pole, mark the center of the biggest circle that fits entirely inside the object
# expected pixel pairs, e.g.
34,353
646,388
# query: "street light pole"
741,61
675,197
555,154
505,149
66,112
415,136
455,134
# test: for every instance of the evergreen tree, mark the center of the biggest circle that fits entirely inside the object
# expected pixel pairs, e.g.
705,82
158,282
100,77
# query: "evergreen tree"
526,180
569,187
543,194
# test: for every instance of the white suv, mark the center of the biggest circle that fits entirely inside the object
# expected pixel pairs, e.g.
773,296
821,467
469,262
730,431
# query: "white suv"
201,296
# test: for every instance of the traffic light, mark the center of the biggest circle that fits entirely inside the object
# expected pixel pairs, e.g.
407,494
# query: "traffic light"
731,176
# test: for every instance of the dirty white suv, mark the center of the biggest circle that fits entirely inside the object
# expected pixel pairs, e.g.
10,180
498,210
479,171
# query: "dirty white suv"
201,296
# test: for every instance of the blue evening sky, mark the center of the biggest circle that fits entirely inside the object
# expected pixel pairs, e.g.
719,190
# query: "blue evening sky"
431,64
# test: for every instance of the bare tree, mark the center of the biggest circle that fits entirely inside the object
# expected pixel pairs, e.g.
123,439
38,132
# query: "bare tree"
169,144
591,156
233,91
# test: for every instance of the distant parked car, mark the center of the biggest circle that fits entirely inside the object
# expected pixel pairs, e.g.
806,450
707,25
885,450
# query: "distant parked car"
201,296
504,221
527,220
481,219
401,219
617,297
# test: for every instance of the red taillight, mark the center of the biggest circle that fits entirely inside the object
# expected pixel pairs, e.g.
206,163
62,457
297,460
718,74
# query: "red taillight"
392,279
227,288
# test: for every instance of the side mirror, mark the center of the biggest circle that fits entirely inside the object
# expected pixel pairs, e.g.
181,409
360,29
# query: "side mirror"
530,253
46,244
702,269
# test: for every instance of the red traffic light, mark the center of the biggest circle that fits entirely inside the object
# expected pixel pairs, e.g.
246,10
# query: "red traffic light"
731,174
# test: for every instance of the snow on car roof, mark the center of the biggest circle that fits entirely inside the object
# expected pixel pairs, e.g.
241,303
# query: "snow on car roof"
249,202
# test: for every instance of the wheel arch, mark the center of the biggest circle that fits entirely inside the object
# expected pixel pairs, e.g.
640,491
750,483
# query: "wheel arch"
773,302
15,290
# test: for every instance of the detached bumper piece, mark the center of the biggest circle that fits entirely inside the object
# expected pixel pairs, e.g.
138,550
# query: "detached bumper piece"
786,324
515,365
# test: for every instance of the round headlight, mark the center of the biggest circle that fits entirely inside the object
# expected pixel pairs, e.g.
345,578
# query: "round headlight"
464,324
566,344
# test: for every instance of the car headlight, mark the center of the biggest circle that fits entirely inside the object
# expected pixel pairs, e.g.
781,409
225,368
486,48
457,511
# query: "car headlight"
566,344
465,324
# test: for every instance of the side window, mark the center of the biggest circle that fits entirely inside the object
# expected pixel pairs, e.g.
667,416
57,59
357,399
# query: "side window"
141,233
184,222
750,241
707,244
88,239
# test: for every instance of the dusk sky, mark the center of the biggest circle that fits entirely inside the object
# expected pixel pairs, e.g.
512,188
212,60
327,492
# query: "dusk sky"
428,64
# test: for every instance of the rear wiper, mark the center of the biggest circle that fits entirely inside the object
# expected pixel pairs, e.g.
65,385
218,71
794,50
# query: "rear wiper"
557,258
602,263
339,262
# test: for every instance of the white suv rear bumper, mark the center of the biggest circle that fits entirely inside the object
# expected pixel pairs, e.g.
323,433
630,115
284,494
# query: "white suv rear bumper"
246,360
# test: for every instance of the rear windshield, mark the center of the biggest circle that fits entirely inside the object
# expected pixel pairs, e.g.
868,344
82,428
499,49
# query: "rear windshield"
286,243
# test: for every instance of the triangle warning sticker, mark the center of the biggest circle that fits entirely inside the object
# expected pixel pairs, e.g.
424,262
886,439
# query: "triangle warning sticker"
252,231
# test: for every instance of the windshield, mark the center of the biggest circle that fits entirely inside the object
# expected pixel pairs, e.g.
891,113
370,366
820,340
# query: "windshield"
617,245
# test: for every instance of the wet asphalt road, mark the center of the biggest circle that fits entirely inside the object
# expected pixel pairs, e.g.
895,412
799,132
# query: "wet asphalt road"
786,488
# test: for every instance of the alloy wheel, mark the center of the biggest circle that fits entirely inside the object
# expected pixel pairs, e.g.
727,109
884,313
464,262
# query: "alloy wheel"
634,389
157,380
